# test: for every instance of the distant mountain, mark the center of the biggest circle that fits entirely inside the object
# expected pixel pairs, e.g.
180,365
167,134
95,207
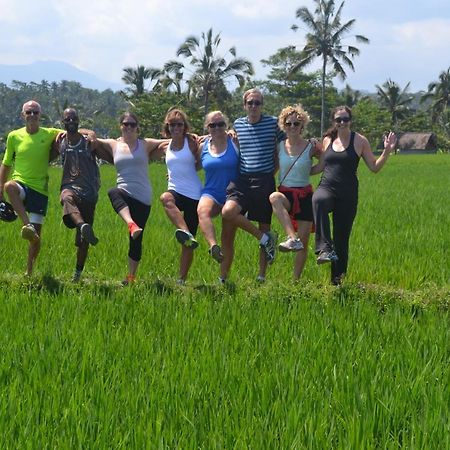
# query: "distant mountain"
53,71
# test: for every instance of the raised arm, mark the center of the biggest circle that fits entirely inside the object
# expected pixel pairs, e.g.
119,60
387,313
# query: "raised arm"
376,164
104,148
156,148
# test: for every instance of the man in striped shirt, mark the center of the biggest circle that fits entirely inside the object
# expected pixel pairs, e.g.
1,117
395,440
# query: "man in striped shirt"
248,197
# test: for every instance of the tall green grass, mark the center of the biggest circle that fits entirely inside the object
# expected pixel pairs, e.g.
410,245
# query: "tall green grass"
245,366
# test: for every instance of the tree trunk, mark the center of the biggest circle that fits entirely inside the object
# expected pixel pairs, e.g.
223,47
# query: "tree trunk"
322,114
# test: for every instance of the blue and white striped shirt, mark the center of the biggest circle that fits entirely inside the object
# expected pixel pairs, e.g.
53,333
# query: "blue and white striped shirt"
257,142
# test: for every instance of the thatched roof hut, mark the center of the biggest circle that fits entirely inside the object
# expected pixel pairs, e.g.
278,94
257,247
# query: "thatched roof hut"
415,143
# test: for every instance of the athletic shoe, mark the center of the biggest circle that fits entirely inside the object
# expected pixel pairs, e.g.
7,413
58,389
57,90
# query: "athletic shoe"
326,257
76,276
260,279
130,279
181,282
29,233
222,281
87,234
269,246
290,245
135,230
216,252
185,238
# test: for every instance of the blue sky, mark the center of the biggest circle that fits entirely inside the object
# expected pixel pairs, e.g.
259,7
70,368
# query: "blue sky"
410,41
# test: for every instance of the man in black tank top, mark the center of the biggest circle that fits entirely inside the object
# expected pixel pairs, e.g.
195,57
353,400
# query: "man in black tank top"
79,187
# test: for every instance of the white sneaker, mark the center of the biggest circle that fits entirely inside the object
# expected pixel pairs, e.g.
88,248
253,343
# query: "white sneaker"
290,245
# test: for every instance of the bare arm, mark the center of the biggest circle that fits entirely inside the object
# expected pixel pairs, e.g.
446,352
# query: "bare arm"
319,153
103,148
376,164
193,145
156,148
4,173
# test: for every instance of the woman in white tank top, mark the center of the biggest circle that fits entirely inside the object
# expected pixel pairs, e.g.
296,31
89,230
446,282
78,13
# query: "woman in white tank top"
184,187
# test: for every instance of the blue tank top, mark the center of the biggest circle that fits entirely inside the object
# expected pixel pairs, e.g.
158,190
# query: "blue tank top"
219,170
298,175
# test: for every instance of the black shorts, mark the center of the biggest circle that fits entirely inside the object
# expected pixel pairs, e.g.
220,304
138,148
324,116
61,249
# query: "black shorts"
251,193
72,203
306,211
189,207
34,202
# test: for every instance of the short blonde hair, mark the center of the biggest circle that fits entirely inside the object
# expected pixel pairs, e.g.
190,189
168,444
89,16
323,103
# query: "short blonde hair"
298,110
252,91
211,114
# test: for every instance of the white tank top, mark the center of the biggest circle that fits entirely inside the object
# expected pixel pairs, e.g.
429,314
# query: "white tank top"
183,177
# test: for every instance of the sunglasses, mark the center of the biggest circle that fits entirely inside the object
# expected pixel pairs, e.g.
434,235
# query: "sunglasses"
216,124
70,119
176,124
130,124
292,124
32,112
254,103
342,119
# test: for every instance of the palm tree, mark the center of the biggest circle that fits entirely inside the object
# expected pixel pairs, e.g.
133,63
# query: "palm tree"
135,77
325,40
209,69
439,93
395,100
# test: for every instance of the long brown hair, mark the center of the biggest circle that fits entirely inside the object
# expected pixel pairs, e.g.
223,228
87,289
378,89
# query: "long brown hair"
332,131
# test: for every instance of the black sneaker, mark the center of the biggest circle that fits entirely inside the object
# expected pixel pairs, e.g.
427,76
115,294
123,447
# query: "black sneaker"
87,234
270,246
216,252
185,238
326,257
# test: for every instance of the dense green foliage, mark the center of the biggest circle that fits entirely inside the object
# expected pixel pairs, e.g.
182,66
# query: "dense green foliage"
278,365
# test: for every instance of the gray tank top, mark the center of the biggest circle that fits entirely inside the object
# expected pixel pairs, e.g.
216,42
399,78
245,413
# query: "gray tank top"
132,171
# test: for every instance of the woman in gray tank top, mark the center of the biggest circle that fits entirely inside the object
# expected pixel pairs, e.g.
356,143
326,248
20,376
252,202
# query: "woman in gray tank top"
132,197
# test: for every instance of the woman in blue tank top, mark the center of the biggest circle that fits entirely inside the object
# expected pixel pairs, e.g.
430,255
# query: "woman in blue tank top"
220,159
337,192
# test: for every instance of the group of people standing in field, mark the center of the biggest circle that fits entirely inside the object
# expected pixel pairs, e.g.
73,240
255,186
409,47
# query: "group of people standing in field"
239,164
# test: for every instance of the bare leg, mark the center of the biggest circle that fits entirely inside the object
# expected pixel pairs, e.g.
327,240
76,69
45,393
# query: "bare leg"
206,210
12,189
82,252
173,213
232,212
33,250
228,236
187,255
280,206
304,230
263,228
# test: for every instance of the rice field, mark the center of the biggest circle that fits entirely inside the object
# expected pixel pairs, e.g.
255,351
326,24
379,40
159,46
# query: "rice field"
242,366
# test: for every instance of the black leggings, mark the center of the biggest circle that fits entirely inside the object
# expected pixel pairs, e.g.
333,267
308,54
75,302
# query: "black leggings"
139,213
343,207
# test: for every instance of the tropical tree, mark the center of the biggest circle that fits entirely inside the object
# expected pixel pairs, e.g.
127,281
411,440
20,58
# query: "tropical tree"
210,70
439,93
395,99
136,77
325,40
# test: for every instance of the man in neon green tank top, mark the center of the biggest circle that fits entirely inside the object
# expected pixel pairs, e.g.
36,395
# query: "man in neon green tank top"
28,150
